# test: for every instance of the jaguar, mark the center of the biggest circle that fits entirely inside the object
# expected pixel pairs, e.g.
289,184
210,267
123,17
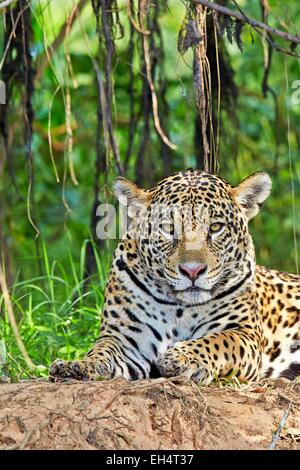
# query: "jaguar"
185,295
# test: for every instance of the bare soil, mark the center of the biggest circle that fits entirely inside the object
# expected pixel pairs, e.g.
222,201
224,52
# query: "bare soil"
150,414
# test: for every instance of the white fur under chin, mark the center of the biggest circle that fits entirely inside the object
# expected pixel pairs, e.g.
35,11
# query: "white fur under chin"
194,297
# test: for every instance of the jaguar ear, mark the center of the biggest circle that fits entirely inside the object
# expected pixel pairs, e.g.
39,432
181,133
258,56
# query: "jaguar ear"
252,192
131,195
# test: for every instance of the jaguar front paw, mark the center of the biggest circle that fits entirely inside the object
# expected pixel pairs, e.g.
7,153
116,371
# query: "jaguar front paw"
178,362
77,370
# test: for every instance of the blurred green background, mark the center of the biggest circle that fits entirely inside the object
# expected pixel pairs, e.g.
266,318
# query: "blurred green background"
56,278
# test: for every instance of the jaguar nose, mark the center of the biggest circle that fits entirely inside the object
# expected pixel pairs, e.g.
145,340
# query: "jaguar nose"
192,270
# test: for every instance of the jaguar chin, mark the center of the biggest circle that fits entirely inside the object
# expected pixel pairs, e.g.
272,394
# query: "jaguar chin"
193,296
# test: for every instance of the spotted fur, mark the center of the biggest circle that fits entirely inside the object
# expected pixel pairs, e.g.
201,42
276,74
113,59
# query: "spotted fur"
231,316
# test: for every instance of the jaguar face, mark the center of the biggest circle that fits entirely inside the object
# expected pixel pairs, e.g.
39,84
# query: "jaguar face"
192,231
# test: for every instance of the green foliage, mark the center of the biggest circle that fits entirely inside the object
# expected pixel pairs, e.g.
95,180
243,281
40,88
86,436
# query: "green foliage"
53,311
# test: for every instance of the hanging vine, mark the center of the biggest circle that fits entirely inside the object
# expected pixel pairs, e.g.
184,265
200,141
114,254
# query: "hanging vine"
107,17
204,33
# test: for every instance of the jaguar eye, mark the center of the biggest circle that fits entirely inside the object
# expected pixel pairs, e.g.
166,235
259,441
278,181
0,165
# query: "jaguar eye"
216,227
167,229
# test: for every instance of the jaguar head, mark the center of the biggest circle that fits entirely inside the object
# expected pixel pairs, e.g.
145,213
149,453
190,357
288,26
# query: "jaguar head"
191,231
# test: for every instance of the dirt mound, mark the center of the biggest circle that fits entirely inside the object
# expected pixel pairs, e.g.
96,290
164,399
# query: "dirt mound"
151,414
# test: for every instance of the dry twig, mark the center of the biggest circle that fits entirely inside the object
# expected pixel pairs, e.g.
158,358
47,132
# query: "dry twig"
156,119
281,425
12,319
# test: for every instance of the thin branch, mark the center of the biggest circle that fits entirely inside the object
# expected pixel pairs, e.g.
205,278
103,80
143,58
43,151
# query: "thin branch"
12,319
63,33
50,136
28,114
202,90
131,92
6,3
12,35
281,425
106,22
156,119
70,140
268,37
132,20
265,8
251,21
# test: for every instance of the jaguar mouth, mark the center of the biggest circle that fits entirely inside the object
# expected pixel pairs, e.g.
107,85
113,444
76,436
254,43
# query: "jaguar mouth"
193,295
196,289
193,290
